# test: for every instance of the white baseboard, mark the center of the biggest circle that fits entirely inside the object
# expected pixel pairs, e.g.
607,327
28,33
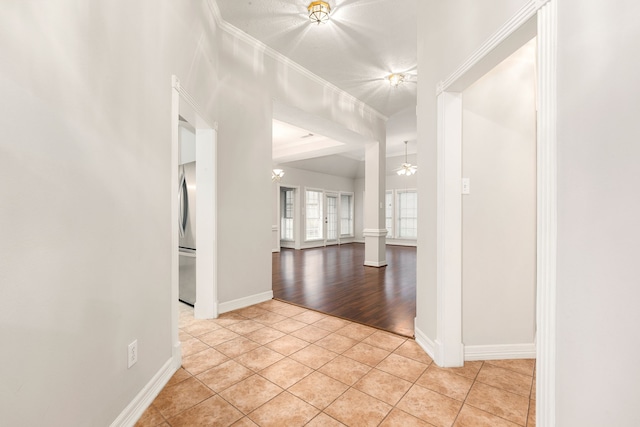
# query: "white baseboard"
412,244
499,352
244,302
375,263
141,402
425,342
177,355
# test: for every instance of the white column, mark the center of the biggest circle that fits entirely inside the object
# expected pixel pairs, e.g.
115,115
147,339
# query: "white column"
374,218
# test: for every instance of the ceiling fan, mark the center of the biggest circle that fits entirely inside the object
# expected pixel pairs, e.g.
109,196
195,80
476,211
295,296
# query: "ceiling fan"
407,169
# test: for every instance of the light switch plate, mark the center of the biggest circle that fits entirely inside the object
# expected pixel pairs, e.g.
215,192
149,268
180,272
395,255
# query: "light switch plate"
466,186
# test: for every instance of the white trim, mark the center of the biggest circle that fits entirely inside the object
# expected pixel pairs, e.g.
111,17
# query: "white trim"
235,304
206,218
274,228
277,56
373,232
402,242
449,348
516,22
425,342
500,352
176,352
547,216
134,410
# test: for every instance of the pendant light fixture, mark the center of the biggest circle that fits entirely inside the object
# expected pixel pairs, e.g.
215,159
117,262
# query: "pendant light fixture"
407,169
319,12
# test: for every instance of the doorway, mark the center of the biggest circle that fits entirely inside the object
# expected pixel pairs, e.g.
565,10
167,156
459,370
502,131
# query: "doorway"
184,110
499,210
534,19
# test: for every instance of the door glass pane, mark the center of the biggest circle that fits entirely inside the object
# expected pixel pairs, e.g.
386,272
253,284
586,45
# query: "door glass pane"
314,221
389,213
286,220
346,215
332,218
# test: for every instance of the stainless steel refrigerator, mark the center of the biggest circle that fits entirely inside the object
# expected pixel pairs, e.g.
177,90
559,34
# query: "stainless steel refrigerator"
187,228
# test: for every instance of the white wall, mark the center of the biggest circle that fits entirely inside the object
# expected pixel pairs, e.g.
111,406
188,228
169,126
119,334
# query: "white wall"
86,189
85,180
599,207
499,215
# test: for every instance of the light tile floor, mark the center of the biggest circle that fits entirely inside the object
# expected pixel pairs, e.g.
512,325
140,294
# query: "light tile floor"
276,364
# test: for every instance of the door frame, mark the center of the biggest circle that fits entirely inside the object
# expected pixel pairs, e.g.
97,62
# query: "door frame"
539,16
206,305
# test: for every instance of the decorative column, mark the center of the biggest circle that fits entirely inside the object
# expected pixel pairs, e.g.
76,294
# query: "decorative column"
375,231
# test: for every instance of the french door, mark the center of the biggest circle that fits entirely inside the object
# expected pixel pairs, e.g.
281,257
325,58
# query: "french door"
331,219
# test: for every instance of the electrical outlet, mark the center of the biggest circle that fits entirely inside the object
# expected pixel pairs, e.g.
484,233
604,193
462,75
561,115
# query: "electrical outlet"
132,354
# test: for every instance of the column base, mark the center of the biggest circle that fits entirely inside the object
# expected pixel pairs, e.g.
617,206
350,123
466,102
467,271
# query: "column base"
375,247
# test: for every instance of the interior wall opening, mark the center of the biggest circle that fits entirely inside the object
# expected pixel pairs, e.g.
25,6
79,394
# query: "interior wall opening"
318,247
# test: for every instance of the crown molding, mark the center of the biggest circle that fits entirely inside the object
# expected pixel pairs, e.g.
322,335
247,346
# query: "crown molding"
526,12
272,53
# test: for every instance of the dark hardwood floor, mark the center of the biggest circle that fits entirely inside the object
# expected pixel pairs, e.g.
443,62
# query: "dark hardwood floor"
334,280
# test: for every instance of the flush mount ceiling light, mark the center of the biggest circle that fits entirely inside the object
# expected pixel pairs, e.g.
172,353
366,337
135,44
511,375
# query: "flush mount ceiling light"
319,12
276,175
407,169
396,79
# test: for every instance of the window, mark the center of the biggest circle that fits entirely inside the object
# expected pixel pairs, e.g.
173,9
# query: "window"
388,202
407,211
346,215
313,205
286,220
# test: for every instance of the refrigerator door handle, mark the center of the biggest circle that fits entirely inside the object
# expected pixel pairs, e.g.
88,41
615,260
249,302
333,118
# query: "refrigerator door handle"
183,212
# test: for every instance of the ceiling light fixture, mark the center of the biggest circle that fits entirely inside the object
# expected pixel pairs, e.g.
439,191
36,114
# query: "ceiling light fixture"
276,175
407,169
319,12
396,79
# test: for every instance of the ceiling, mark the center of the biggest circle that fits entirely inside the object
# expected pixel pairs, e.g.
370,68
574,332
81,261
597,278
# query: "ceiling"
363,42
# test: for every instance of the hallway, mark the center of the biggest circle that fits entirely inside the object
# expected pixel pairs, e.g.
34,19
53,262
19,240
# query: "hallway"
334,280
